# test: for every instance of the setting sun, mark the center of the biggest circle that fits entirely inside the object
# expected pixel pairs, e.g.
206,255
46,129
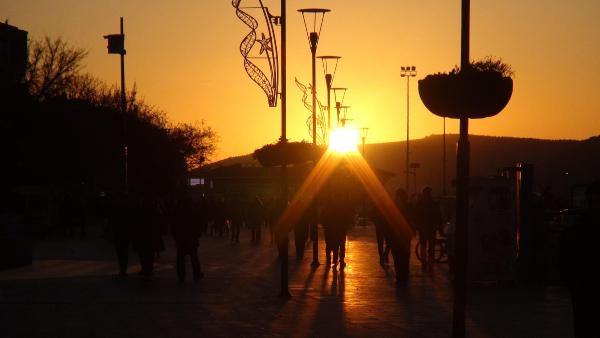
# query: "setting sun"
344,140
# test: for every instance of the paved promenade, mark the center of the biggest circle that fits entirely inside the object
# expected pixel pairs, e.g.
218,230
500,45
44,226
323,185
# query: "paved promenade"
71,291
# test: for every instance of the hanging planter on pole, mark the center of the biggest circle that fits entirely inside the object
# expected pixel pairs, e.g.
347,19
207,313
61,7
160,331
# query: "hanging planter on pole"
481,91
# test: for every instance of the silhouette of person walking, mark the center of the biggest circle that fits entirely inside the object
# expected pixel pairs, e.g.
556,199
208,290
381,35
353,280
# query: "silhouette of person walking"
301,230
577,248
256,217
146,234
337,217
236,217
186,230
383,246
428,222
120,219
400,240
397,238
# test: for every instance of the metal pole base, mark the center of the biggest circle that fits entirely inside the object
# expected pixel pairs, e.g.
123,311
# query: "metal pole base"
315,239
285,295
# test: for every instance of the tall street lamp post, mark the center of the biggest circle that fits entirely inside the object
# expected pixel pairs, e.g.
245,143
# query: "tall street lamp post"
329,61
315,18
364,132
116,45
339,94
344,118
408,72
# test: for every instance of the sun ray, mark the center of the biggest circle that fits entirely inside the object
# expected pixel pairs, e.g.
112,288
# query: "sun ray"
379,196
318,177
308,191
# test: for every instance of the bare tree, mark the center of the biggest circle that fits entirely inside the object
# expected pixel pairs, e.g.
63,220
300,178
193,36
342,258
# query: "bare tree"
53,67
197,141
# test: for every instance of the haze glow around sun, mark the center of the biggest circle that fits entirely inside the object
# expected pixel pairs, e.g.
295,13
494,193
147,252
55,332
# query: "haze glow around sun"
344,140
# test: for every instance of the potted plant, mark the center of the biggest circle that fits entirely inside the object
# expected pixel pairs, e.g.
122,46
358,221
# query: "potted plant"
480,91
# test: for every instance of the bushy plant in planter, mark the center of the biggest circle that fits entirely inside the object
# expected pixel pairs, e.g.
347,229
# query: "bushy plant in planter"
276,154
480,91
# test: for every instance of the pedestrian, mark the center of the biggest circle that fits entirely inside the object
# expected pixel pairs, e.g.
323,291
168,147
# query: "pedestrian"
119,220
400,237
383,248
220,217
236,217
272,211
301,231
186,230
577,252
146,234
256,214
338,215
428,223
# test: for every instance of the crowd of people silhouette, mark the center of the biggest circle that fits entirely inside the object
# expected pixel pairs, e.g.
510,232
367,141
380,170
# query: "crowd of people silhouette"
139,222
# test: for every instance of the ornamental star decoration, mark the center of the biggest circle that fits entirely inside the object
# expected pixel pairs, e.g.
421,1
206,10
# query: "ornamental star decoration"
265,44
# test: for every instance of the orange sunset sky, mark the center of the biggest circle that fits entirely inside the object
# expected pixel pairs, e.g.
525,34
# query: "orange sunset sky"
184,57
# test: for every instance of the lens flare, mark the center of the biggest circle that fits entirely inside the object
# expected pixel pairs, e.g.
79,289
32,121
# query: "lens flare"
344,140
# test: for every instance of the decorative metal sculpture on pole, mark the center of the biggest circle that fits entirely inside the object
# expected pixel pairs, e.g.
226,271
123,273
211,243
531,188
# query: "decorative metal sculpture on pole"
270,85
321,123
268,47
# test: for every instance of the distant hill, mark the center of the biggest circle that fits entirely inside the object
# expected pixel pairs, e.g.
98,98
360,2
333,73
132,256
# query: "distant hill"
552,159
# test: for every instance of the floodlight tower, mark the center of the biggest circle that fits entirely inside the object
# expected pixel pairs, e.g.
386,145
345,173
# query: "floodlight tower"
408,72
